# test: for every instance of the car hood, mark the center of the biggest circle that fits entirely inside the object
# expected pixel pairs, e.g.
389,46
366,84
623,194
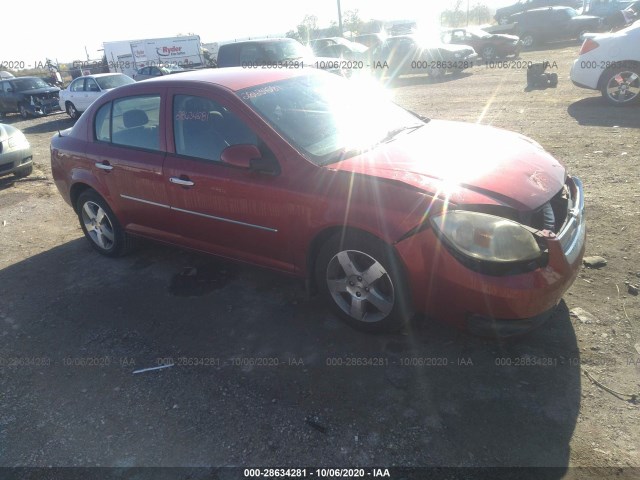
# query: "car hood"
465,164
452,47
37,91
586,18
505,37
7,131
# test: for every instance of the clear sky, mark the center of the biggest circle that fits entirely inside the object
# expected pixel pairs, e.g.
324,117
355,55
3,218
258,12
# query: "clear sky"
39,29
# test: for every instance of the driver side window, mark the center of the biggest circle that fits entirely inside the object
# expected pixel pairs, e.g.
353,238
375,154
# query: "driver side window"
202,128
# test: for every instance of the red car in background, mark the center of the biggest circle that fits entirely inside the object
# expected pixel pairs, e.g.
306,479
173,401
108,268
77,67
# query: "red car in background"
304,172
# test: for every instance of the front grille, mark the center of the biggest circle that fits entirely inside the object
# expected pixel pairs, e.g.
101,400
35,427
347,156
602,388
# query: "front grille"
553,214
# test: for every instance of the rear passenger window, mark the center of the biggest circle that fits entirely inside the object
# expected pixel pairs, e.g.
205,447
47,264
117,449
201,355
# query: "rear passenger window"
202,128
102,123
77,85
130,121
135,122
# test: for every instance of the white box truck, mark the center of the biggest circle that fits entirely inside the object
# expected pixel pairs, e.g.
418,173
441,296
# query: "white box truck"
127,56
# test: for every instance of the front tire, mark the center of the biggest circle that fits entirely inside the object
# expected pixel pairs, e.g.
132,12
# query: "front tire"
72,111
22,110
528,41
100,225
363,280
488,53
621,86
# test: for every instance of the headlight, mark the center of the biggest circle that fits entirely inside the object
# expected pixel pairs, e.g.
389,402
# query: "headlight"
18,140
487,237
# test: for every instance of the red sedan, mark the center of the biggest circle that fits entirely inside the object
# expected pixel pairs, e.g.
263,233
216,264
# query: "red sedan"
386,213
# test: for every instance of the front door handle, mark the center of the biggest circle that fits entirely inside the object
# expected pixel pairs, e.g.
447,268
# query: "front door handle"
185,182
104,166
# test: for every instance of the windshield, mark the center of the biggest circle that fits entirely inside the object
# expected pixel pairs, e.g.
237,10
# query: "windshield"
327,117
113,81
23,84
285,50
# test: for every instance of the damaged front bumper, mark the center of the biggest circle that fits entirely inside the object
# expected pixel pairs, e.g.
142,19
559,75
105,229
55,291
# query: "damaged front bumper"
496,305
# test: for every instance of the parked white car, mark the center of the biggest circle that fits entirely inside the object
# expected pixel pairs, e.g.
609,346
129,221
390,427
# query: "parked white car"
83,91
610,62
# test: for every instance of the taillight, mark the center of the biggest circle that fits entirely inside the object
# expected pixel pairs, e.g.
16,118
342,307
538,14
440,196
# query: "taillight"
588,45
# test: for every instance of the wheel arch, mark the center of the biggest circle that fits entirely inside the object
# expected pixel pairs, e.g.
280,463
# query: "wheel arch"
76,190
321,238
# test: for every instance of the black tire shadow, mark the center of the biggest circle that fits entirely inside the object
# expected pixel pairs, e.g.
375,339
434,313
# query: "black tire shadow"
432,396
550,47
59,122
595,111
7,181
417,79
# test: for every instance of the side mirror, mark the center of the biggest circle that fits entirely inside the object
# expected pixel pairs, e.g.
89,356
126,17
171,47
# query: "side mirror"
240,155
249,157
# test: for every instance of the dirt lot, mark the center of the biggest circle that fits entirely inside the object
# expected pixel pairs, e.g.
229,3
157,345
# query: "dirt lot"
261,376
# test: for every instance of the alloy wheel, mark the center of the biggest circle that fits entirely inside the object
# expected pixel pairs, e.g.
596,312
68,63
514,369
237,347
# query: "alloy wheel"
623,87
98,225
360,286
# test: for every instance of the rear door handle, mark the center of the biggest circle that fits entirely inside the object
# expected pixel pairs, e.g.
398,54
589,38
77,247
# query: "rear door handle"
185,182
104,165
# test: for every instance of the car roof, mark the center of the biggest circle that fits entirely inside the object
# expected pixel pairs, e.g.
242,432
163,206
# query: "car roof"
21,78
234,78
260,40
98,75
546,9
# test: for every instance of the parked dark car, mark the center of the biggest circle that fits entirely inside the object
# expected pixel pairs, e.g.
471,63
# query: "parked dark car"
15,152
267,52
503,14
275,53
28,96
338,47
370,39
409,54
543,25
306,173
487,45
622,18
605,8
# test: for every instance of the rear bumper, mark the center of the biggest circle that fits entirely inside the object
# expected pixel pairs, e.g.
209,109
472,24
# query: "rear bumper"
585,73
446,289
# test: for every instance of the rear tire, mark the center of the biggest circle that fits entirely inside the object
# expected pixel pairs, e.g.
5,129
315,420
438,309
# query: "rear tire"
100,225
363,280
621,85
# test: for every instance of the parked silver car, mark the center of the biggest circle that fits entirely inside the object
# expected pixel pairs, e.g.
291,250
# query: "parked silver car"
15,152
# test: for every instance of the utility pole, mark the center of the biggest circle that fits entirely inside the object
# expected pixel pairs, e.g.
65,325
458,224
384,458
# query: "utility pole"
468,13
339,18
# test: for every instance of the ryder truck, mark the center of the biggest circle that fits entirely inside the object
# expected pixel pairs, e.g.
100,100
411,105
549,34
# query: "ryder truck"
127,56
